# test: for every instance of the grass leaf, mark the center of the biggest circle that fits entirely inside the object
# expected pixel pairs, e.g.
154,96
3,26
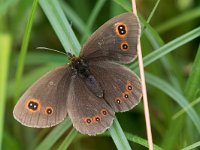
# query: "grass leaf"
175,95
5,49
68,140
60,25
23,51
193,81
118,136
169,47
54,135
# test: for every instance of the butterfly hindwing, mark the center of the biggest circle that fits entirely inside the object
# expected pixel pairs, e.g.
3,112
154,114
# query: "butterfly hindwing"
90,114
122,87
44,103
115,40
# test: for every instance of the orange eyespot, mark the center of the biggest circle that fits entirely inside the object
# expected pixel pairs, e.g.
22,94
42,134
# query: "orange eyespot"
87,120
129,87
124,46
104,112
49,110
118,100
121,29
33,105
125,95
96,119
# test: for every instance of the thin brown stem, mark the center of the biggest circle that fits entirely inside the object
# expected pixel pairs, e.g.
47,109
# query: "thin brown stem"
144,91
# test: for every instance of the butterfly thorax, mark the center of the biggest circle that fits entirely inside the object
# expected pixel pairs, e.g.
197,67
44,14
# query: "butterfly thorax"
80,68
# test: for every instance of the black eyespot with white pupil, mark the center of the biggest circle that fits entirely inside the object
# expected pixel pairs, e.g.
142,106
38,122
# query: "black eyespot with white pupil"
104,112
125,46
88,121
97,119
33,105
130,88
122,29
126,95
118,101
49,111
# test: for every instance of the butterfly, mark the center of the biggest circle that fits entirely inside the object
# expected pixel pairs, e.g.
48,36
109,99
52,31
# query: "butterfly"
92,87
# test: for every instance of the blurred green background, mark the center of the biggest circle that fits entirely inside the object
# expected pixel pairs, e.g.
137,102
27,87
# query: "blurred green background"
170,44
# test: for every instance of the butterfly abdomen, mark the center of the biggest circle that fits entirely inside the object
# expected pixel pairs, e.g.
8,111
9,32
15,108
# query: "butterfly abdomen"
81,69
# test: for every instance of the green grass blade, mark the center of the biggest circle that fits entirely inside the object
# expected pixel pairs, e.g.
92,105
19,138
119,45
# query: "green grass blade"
169,47
175,95
60,25
193,81
118,136
77,22
5,49
23,50
54,135
68,140
172,69
192,147
151,15
92,18
140,141
183,110
124,4
179,20
95,13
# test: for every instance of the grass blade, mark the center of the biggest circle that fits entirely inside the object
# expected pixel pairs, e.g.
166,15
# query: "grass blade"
179,20
169,47
140,141
193,146
183,110
54,135
175,95
194,78
92,18
23,50
67,141
118,136
60,25
151,15
77,22
5,48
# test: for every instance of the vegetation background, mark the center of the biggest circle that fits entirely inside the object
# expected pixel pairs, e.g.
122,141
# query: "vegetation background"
170,43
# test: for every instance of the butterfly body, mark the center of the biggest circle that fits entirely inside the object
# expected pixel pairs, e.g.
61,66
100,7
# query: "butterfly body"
80,68
92,87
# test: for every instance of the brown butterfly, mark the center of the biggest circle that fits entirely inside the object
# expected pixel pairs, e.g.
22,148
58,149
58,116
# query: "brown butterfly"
92,87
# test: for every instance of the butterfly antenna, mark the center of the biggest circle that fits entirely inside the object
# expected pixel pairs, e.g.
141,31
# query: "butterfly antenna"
50,49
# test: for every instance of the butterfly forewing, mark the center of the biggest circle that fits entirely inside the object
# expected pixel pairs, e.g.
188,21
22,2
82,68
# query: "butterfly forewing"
44,103
115,40
122,88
